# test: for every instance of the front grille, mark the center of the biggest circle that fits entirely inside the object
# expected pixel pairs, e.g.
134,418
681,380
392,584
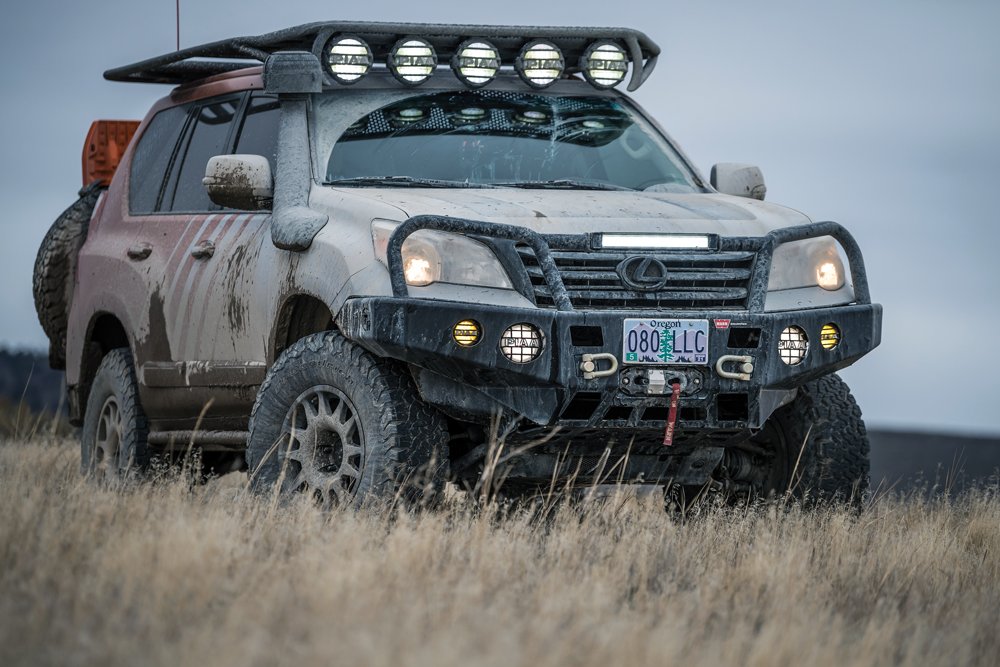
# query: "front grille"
695,280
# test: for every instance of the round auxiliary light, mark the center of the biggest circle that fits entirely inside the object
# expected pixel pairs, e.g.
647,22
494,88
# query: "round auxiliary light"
469,115
348,58
521,343
793,345
540,64
412,60
829,336
467,333
476,62
604,64
532,117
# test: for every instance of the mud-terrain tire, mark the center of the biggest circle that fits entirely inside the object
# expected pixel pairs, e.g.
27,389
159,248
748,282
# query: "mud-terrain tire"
55,266
821,445
361,432
113,444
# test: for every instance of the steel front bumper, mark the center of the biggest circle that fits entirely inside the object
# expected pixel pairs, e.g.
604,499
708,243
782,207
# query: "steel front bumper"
475,382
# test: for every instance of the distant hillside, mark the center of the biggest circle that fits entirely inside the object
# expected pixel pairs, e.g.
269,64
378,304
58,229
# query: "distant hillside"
25,378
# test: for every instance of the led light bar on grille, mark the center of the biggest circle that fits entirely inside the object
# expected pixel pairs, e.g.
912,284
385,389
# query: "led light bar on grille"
604,64
658,241
348,58
412,60
540,64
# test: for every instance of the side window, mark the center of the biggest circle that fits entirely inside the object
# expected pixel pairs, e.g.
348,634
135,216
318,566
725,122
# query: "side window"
152,158
259,134
213,124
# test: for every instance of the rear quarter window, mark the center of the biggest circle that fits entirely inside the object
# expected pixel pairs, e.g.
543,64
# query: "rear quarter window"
152,158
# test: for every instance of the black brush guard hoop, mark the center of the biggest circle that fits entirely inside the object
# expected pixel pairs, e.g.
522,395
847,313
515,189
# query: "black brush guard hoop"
763,246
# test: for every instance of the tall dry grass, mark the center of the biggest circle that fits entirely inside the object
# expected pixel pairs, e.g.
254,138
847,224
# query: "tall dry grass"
170,574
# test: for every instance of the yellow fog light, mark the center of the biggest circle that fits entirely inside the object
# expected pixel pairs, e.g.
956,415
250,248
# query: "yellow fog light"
467,333
829,336
793,345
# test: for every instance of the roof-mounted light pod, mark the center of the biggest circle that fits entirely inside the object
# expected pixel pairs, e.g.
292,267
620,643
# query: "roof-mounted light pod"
604,64
476,62
348,58
412,60
540,64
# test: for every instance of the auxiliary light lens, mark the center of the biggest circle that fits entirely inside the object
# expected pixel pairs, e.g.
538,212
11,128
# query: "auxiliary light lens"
476,62
604,64
348,59
521,343
793,345
467,333
412,60
829,336
540,64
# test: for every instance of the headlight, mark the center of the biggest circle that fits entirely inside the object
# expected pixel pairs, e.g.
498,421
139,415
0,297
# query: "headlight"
440,257
808,274
807,264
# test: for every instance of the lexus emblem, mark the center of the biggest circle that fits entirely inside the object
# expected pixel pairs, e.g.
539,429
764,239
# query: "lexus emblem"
645,274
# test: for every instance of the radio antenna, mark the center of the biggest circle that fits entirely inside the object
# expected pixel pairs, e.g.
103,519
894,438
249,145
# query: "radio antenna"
178,5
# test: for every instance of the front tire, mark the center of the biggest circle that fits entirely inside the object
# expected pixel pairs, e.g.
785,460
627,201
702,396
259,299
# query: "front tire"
333,420
113,442
819,444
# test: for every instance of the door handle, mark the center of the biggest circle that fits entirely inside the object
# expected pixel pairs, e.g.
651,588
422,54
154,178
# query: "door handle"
139,252
203,250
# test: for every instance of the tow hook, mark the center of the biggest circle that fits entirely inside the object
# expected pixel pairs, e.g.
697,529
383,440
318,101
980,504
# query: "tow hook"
745,367
588,364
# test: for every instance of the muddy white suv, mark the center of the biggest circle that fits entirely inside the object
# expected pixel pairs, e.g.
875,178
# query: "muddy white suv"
364,258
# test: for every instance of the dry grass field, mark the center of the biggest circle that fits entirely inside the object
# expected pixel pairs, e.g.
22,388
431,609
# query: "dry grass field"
170,574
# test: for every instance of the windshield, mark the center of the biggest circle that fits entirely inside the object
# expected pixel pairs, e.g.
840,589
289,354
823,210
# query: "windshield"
496,139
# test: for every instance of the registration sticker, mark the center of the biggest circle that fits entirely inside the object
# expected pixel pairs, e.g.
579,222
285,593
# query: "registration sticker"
665,341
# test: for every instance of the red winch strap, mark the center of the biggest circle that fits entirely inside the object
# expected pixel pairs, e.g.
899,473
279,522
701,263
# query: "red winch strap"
675,397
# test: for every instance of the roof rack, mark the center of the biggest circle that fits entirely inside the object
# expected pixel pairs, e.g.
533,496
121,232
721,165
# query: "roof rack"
197,62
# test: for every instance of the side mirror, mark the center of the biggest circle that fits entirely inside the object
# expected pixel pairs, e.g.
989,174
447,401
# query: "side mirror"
740,180
242,182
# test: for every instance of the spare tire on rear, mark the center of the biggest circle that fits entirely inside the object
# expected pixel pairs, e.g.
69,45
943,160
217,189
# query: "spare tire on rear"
55,267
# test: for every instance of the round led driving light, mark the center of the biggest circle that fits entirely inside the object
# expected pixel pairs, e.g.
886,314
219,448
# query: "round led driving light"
793,345
540,64
467,333
604,64
521,343
412,60
476,62
348,58
829,336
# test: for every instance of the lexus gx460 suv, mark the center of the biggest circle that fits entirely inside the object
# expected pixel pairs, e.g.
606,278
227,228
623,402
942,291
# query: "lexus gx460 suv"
362,258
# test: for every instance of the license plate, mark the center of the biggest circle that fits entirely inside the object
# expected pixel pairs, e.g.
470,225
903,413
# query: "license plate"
665,341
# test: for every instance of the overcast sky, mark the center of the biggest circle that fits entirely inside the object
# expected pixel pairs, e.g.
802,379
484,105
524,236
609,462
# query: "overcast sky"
882,116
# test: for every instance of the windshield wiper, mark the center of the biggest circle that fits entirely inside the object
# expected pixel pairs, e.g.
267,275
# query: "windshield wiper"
404,182
563,184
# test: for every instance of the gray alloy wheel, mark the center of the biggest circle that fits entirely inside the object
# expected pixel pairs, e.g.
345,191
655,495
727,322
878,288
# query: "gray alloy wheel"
323,450
113,439
333,420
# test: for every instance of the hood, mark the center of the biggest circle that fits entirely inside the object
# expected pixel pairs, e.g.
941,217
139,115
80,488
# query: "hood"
581,211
